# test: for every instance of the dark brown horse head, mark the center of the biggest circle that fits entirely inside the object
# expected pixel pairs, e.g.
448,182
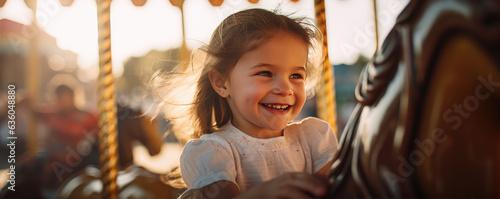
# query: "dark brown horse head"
133,125
427,122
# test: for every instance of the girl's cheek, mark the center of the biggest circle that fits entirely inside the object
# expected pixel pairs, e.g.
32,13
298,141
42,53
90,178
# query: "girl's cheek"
253,90
300,88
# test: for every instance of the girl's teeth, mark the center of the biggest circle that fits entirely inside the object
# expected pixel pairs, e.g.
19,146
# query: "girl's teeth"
279,107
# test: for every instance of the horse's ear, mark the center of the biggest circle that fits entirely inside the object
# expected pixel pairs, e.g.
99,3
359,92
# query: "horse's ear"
459,128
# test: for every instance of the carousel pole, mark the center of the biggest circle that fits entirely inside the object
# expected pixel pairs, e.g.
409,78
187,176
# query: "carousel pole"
326,93
376,24
107,108
184,51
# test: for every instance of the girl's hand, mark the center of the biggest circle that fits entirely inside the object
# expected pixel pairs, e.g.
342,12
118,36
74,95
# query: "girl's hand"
292,185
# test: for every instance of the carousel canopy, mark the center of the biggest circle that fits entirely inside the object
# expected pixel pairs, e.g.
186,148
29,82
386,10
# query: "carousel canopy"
177,3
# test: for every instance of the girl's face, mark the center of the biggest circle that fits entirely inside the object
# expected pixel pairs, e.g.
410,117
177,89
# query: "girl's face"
267,86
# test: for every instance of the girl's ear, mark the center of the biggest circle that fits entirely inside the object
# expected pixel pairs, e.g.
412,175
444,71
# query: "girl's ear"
218,82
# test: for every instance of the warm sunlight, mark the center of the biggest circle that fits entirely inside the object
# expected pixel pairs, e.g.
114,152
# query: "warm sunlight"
135,30
249,99
157,25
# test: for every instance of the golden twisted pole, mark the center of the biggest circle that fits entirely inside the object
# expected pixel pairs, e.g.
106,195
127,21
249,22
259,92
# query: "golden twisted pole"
327,93
107,109
376,23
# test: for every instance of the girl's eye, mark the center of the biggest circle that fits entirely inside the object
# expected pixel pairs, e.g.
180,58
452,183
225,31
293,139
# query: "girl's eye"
296,76
264,73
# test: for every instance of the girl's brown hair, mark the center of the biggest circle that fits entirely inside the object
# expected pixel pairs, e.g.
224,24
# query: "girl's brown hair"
237,34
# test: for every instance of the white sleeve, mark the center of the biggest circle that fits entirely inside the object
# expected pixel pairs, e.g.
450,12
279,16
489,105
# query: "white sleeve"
321,140
203,162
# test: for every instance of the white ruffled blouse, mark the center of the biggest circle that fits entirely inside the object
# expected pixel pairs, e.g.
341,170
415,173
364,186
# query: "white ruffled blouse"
230,154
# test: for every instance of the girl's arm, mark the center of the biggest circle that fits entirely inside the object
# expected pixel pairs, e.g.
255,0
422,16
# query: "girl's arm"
219,189
292,185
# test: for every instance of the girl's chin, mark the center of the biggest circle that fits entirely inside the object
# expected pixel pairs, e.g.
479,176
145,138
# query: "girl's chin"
276,129
277,125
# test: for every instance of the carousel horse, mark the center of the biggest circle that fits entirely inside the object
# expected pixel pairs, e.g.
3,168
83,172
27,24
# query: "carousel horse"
427,123
133,181
132,126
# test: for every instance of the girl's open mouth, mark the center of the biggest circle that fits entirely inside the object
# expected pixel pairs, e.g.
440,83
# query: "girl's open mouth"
276,106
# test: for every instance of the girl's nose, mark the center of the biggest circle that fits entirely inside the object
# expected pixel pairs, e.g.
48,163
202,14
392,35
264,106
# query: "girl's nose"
282,87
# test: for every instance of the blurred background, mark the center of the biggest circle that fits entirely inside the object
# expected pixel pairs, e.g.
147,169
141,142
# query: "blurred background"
55,43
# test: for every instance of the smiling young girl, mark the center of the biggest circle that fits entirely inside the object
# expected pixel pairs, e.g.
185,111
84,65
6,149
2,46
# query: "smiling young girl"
252,84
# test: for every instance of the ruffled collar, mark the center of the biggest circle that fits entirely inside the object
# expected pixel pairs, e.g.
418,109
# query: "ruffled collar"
235,135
